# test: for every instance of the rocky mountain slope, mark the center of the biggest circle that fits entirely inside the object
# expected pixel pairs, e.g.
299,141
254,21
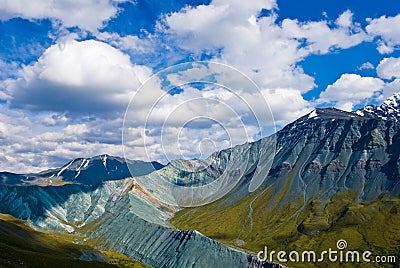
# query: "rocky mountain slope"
319,177
119,216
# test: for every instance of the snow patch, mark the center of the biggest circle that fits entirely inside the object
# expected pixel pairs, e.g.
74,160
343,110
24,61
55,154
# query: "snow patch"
313,114
361,113
64,168
78,170
86,164
104,159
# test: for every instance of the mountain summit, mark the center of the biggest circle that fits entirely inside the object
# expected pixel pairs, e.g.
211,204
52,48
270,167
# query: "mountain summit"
388,110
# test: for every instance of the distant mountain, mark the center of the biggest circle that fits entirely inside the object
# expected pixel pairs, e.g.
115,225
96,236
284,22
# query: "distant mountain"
388,110
92,170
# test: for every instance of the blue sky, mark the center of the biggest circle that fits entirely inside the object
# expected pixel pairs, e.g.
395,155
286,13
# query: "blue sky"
68,69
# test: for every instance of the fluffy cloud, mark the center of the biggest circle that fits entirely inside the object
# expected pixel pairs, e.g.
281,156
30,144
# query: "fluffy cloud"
388,29
263,49
88,15
294,104
345,20
129,43
389,68
77,77
31,145
390,89
366,65
222,108
321,37
350,90
161,126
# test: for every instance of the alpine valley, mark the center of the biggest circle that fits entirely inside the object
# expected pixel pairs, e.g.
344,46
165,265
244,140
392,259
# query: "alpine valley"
334,175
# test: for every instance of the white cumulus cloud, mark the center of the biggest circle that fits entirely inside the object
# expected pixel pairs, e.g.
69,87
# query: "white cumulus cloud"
350,90
267,51
389,68
30,144
77,77
88,15
366,65
387,29
390,89
321,37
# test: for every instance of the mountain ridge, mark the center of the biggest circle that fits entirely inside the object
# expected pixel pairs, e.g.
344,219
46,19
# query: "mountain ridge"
91,170
388,110
318,157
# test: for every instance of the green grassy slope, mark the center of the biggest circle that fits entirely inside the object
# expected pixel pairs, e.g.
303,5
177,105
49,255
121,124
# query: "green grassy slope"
21,246
365,226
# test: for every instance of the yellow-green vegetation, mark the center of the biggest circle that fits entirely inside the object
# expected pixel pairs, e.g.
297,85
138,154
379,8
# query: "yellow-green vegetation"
21,246
122,261
289,226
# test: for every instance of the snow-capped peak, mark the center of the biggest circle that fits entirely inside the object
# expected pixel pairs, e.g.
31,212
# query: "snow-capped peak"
392,102
388,110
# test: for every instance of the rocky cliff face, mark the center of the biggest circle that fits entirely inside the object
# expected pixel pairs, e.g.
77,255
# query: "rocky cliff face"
335,151
320,154
123,231
324,152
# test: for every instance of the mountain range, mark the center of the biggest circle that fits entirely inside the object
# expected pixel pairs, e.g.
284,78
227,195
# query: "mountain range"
327,176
